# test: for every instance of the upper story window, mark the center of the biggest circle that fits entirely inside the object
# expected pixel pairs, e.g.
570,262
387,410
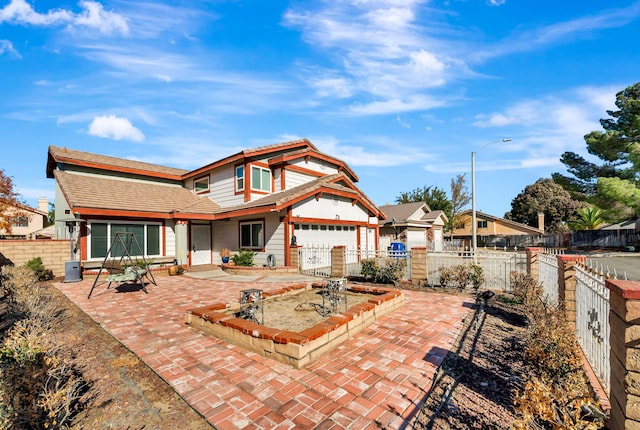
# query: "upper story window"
239,178
201,185
482,223
20,221
260,179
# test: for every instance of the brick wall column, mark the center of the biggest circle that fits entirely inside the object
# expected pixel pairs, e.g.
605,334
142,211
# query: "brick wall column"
533,263
338,261
567,285
624,317
294,256
419,267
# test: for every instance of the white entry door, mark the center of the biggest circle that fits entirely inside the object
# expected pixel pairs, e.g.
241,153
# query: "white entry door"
200,244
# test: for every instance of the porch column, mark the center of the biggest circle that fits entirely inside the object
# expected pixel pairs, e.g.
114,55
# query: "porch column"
419,267
182,242
624,317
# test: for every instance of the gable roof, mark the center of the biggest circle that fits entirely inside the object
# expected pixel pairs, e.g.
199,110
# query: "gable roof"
504,221
253,153
103,162
95,195
401,213
337,185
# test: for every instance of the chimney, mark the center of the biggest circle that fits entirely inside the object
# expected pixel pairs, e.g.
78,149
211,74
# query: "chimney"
43,204
541,221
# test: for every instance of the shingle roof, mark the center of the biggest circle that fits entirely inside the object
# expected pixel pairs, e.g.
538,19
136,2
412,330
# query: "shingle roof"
400,212
93,192
324,184
72,156
503,220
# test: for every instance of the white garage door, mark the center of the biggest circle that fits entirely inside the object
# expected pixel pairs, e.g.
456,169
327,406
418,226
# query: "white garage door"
313,235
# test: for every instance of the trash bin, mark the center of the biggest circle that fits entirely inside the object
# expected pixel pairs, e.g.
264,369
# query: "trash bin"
398,250
72,271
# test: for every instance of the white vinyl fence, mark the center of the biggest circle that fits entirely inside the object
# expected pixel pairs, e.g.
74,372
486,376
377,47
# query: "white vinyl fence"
496,266
315,260
548,273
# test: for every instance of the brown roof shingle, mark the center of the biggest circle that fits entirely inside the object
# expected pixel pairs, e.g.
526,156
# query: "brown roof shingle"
93,192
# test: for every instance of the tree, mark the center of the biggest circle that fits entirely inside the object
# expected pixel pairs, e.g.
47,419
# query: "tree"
434,197
51,215
589,218
614,184
460,197
545,196
9,203
437,199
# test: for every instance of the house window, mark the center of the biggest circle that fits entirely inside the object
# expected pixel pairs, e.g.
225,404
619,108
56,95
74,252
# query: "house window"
482,223
20,221
201,185
252,234
260,179
239,178
147,239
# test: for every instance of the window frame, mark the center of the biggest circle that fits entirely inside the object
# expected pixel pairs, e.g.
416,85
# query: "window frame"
482,223
262,170
109,236
261,239
20,221
200,179
239,179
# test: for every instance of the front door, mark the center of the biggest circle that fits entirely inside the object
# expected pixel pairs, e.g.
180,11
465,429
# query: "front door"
200,244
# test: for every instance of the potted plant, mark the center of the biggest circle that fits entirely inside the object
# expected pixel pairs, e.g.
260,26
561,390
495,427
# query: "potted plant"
225,254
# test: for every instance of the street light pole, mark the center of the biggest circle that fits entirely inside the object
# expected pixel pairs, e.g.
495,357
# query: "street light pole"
474,223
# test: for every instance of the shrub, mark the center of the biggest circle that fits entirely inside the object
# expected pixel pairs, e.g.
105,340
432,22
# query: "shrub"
244,257
461,275
525,287
38,268
38,387
385,271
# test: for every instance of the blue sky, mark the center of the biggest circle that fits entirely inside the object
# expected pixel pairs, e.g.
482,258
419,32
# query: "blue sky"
402,90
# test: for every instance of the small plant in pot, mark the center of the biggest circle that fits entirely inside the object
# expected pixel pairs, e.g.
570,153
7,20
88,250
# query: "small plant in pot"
225,254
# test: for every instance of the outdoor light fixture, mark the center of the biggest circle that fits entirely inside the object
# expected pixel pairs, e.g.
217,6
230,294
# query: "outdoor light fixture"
474,226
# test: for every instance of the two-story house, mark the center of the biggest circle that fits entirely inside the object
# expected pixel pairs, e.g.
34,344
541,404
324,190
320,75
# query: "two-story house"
265,199
25,221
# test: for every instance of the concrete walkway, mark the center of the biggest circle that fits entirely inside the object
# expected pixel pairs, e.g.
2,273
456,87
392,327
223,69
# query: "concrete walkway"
378,379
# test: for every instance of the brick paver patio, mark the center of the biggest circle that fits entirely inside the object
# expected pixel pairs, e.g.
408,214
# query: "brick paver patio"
377,379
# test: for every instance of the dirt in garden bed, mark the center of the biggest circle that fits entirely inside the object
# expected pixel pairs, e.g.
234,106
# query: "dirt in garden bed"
300,311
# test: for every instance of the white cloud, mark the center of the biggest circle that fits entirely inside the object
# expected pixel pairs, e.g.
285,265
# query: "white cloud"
92,15
386,51
7,46
113,127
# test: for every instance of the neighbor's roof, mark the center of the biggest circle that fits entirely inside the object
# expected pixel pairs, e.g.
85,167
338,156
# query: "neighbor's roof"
104,162
504,221
98,195
401,212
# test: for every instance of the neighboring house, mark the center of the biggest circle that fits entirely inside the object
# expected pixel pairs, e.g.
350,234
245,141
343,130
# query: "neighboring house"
413,224
25,220
264,199
494,231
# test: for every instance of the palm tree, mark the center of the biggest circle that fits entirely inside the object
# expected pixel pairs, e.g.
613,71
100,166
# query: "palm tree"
589,218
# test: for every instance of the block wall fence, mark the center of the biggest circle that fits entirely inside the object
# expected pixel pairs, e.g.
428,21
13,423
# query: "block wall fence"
624,319
54,253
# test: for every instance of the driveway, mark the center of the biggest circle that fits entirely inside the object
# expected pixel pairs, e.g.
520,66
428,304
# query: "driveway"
377,379
625,265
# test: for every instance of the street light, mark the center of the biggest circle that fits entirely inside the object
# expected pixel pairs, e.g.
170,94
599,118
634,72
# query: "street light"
474,226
